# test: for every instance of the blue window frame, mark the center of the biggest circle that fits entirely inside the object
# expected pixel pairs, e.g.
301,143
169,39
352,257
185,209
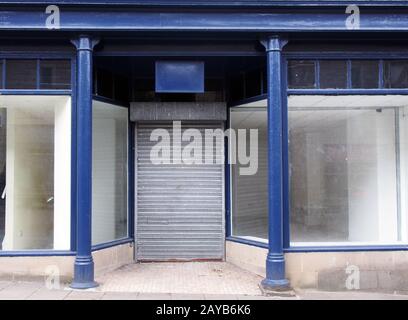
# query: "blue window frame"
380,84
383,79
50,88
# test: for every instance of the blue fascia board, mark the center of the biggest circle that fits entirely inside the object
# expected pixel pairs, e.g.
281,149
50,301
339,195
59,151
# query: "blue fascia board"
102,19
211,3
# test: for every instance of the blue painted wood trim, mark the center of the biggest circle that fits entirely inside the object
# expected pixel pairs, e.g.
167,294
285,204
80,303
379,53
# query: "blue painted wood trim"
248,100
73,154
347,91
285,158
112,244
332,55
275,260
227,177
187,53
32,54
247,242
212,3
110,101
131,179
36,253
348,248
306,249
84,265
35,92
103,19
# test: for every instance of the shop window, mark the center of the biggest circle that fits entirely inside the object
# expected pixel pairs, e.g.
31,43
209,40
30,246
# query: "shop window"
364,74
301,74
21,74
395,74
55,74
109,172
249,200
1,75
333,74
35,171
345,169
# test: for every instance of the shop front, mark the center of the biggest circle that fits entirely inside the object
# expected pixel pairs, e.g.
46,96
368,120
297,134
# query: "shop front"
271,137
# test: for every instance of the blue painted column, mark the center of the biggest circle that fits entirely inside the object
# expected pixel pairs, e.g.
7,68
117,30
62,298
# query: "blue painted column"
84,265
275,261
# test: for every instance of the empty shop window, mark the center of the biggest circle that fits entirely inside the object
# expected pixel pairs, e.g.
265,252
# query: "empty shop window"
35,135
109,173
249,200
347,168
347,172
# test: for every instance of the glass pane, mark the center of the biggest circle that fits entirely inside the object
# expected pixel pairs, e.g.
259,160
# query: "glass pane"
343,185
35,173
250,191
109,172
1,75
55,74
301,74
333,74
21,74
364,74
396,74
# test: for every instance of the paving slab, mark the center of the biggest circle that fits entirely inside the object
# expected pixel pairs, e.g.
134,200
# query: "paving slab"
154,296
181,278
220,297
47,294
84,295
19,290
5,284
120,296
184,296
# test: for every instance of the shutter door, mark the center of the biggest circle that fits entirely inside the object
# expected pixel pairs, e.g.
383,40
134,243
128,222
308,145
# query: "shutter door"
180,208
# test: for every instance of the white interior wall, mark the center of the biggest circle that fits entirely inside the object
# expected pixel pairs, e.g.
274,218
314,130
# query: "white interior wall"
62,176
250,200
31,138
103,178
403,116
108,119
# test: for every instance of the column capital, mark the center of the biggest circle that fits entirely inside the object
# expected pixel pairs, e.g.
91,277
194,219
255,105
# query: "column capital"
274,42
85,42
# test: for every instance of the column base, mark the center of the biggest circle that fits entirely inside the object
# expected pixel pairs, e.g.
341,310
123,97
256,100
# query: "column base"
83,273
280,288
83,285
275,285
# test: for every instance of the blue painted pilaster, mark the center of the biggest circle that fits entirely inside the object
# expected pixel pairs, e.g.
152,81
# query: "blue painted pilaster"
84,265
275,261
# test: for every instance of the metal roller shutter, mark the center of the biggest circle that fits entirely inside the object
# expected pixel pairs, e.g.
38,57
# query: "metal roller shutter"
180,208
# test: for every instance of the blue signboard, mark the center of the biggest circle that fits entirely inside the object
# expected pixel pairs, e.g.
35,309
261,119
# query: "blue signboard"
180,76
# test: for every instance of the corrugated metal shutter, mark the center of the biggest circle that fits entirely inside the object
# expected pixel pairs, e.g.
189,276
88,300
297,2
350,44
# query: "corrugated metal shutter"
180,208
